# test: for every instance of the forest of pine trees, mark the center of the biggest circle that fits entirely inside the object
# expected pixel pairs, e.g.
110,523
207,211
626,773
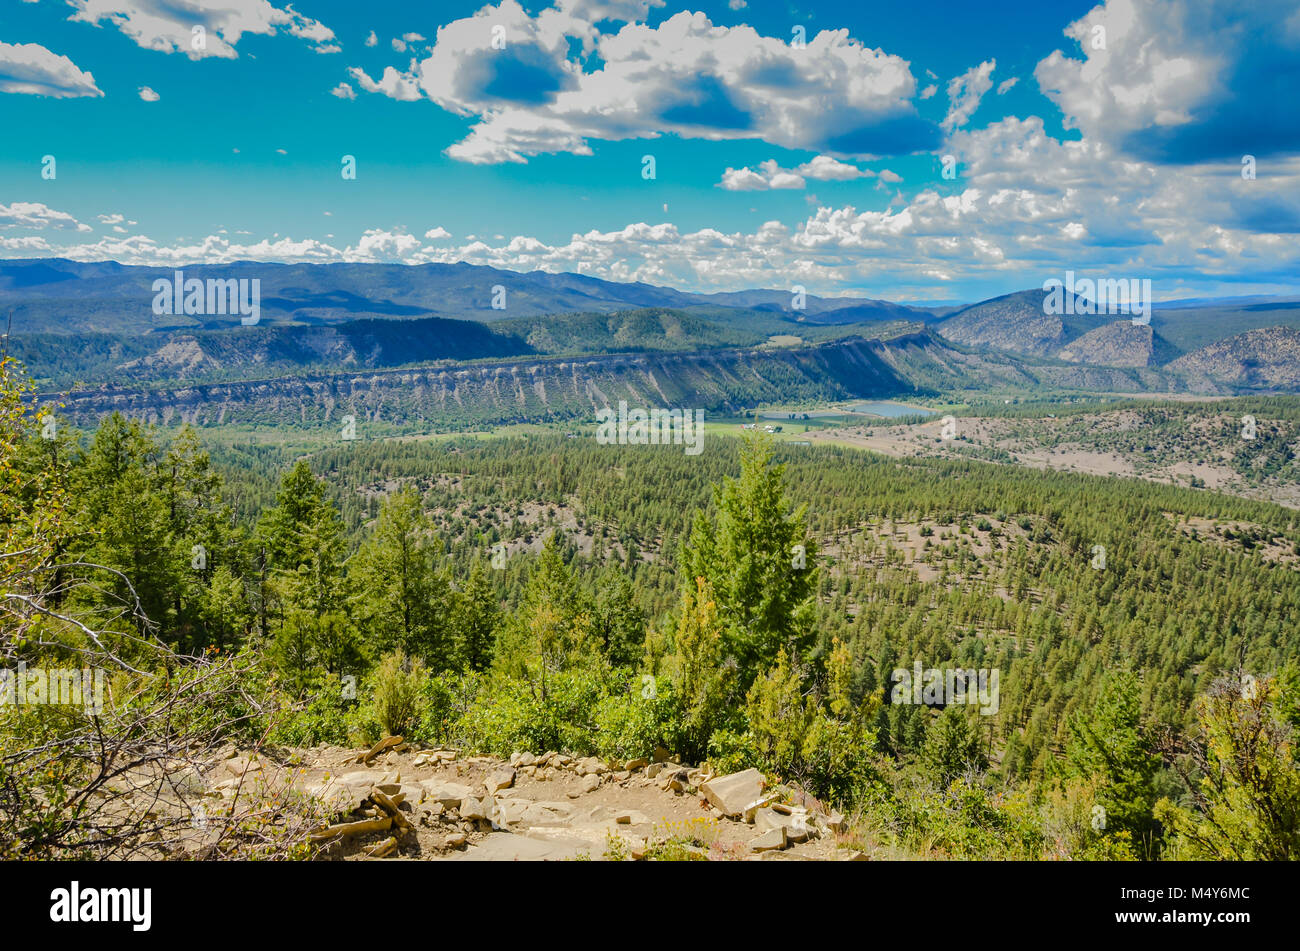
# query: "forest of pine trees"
745,607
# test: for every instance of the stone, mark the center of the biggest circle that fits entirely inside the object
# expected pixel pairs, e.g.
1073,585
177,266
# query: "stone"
590,783
239,765
633,765
352,828
456,840
661,755
449,794
733,792
499,779
756,805
835,822
471,808
387,743
621,776
771,840
653,770
527,759
379,850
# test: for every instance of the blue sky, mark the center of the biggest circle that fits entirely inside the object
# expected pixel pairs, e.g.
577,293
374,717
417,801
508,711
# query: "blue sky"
774,164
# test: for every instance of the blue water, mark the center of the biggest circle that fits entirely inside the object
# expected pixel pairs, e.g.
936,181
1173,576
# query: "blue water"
889,410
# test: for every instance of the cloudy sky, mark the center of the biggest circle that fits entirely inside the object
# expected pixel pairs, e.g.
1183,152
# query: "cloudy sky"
930,151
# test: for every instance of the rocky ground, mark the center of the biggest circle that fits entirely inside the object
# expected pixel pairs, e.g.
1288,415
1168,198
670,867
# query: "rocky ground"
398,802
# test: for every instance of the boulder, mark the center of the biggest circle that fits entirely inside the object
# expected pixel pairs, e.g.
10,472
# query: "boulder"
449,794
471,808
732,793
771,840
499,779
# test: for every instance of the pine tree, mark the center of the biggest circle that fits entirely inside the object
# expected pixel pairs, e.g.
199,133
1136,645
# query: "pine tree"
763,583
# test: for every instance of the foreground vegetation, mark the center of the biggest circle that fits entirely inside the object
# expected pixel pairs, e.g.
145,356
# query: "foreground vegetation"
747,606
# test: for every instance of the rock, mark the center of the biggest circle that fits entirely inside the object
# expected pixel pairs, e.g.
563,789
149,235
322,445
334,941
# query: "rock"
379,850
240,765
623,818
387,743
637,848
590,783
449,794
853,855
499,779
653,770
456,840
633,765
756,805
835,822
661,755
621,777
471,808
733,792
591,766
352,828
527,759
771,840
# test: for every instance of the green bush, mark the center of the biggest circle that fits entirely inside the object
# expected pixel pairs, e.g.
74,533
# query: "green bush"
323,720
629,724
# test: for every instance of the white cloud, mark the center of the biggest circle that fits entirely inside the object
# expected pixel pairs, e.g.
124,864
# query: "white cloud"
372,40
31,69
771,176
169,27
929,91
737,4
684,76
344,91
1005,86
111,219
392,83
823,168
437,234
1180,82
965,92
148,95
36,216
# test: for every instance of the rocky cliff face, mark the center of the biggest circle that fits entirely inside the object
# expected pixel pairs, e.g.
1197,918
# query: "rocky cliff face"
519,390
1267,359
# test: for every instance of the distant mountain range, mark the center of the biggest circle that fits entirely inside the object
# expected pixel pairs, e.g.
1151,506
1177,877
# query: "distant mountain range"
52,295
90,325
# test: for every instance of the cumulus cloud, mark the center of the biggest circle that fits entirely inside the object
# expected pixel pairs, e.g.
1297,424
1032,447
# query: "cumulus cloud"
372,39
36,216
1005,86
31,69
770,175
148,95
965,92
1181,82
199,29
344,91
561,82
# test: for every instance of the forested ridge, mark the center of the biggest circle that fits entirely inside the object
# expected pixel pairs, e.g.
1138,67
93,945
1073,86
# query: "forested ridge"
747,606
